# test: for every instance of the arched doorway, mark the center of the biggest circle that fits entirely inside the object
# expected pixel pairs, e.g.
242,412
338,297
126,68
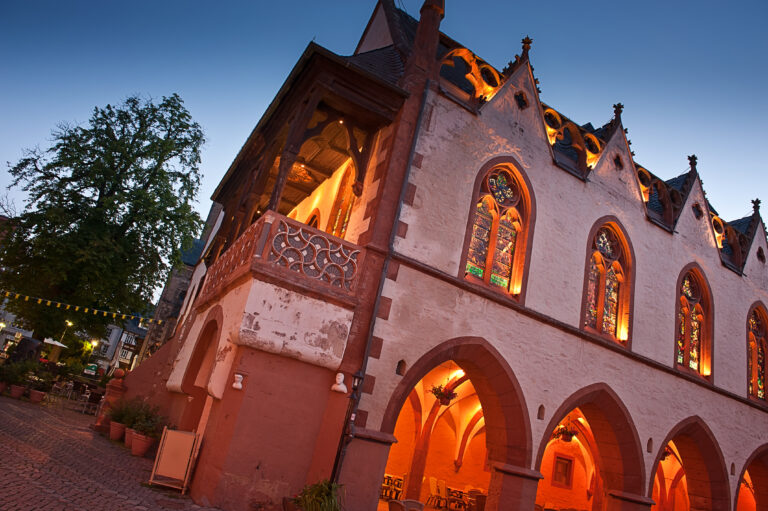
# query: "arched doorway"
752,494
477,438
690,470
195,382
591,456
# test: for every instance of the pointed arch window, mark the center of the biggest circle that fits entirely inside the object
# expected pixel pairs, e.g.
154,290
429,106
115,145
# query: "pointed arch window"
756,339
496,243
692,349
607,283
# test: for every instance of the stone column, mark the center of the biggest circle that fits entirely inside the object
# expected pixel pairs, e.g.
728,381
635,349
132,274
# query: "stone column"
363,468
624,501
512,488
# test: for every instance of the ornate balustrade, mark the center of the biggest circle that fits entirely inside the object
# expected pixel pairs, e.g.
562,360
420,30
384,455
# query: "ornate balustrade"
287,251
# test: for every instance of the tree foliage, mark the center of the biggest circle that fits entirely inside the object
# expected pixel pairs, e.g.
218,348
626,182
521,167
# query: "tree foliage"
110,204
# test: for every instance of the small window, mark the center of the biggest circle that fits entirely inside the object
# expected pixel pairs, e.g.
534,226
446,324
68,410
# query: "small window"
761,255
562,471
618,163
697,211
522,101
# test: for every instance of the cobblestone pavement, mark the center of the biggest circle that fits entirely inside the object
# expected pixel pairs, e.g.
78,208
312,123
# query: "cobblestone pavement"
50,459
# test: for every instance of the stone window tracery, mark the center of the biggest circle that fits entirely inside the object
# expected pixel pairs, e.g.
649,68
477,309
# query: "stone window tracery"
756,339
692,350
606,278
494,255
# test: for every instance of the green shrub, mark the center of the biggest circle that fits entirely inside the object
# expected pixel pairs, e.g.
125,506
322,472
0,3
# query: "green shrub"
148,420
320,496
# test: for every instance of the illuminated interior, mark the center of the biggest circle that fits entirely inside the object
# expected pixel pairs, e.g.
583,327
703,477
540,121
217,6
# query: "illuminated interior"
670,488
439,443
747,500
570,468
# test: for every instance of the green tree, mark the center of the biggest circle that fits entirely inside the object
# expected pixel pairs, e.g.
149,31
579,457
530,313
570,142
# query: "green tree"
109,205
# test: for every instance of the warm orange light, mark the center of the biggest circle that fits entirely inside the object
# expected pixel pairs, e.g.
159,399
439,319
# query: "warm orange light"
459,373
623,333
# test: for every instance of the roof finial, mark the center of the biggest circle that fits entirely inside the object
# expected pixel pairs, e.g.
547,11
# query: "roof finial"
526,46
692,161
617,109
756,205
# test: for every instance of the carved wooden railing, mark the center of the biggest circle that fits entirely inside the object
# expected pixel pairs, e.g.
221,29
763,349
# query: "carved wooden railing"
285,248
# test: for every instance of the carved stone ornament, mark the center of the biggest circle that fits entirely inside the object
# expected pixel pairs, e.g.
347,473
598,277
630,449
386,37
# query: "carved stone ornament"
339,386
238,383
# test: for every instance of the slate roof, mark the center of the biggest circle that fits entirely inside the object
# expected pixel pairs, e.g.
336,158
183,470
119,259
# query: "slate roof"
742,224
385,63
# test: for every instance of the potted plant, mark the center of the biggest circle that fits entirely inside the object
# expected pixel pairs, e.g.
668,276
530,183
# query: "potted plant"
564,433
320,496
444,395
15,375
132,411
41,386
117,413
146,428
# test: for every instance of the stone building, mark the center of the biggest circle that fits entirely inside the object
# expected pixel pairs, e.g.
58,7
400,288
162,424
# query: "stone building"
521,311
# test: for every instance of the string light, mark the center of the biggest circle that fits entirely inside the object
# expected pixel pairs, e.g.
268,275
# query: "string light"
77,308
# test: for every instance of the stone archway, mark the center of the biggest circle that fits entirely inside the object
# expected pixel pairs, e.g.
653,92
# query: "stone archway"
199,369
507,426
752,492
706,477
613,443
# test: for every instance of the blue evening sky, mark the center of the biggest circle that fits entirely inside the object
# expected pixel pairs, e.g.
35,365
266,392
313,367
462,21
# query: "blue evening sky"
692,75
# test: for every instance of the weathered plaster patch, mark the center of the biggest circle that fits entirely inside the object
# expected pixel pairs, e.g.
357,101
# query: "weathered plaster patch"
315,333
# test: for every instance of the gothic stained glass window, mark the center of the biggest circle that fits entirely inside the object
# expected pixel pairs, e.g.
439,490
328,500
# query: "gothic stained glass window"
342,206
605,278
611,307
594,278
495,231
691,321
756,357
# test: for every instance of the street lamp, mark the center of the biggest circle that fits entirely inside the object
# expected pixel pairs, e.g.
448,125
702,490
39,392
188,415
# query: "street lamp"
69,324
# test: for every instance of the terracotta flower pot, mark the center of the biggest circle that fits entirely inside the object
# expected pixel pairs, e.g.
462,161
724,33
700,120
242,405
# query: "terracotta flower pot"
36,396
116,430
141,444
17,391
3,386
129,437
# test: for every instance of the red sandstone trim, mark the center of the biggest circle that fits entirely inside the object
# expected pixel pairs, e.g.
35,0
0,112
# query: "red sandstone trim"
402,229
707,343
368,383
509,440
376,344
375,436
759,453
410,194
418,159
565,327
392,270
696,428
361,419
514,470
385,304
631,497
525,244
599,400
627,295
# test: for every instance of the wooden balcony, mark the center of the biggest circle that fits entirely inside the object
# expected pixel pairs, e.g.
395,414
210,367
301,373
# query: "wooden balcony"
289,254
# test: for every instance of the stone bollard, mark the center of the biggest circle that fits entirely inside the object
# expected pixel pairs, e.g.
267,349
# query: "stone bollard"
115,392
